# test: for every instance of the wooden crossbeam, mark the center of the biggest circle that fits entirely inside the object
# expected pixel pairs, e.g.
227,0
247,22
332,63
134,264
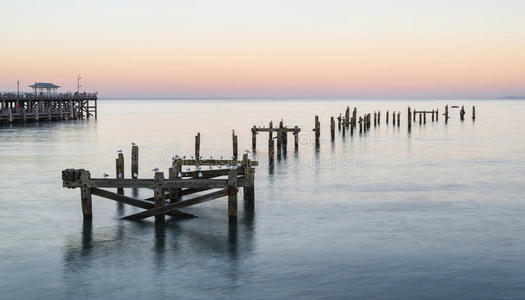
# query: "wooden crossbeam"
276,129
134,202
146,183
224,162
170,207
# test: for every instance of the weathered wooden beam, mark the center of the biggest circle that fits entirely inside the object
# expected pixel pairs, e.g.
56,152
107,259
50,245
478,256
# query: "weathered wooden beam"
264,129
146,183
173,206
121,198
192,162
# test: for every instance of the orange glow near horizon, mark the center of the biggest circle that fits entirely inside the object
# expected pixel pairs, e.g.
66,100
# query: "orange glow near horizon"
289,58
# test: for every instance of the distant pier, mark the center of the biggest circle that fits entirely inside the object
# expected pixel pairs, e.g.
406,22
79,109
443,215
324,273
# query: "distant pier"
25,107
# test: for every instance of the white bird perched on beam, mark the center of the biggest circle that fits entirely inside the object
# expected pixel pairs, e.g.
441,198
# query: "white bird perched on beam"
200,174
179,175
135,175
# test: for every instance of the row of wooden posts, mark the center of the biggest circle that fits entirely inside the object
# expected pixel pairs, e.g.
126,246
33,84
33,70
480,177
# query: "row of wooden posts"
179,185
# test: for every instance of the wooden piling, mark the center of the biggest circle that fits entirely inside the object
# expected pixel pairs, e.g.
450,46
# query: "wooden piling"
398,118
437,115
232,194
271,152
393,118
158,194
332,128
375,119
175,171
198,146
317,130
378,117
85,196
339,122
473,112
432,116
420,118
354,118
360,124
119,170
347,116
249,191
446,113
409,118
235,146
424,117
387,112
296,138
134,161
462,113
254,138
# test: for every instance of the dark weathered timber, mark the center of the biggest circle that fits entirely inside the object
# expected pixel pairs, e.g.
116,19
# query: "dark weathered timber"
174,206
198,146
134,161
232,195
473,112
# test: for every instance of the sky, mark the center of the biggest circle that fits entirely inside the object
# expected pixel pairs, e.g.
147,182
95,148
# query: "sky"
267,49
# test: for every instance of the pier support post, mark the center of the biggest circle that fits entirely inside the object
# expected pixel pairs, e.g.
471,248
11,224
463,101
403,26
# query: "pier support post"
317,130
409,118
198,146
354,118
235,146
175,170
280,138
398,118
85,196
446,113
332,128
249,191
462,113
134,161
393,118
232,194
296,138
10,115
159,194
271,153
378,117
473,112
437,115
339,122
119,170
387,112
420,118
432,116
254,138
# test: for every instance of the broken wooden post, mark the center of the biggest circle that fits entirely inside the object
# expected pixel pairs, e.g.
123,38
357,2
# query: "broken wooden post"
254,138
317,130
360,124
232,193
85,196
344,130
375,119
158,194
175,174
420,118
134,161
378,117
296,138
332,128
473,112
235,146
387,112
339,122
409,118
446,113
415,112
280,138
398,118
249,191
393,118
119,170
198,146
354,118
424,117
347,116
462,113
271,153
437,115
432,116
284,141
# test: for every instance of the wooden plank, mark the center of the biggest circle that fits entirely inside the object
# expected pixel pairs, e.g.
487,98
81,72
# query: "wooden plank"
121,198
193,162
170,207
147,183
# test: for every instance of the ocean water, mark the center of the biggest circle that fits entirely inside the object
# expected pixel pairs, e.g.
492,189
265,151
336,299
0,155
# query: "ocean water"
434,213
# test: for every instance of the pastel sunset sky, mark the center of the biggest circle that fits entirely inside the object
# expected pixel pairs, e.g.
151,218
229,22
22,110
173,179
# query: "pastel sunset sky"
271,48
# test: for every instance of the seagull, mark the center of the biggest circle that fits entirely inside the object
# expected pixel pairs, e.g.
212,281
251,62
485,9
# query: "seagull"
200,174
192,157
105,174
221,157
155,169
200,156
219,165
184,157
135,175
179,175
120,175
246,151
119,151
232,168
133,144
188,169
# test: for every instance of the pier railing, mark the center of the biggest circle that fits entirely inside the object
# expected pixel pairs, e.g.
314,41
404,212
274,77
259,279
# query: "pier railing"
13,96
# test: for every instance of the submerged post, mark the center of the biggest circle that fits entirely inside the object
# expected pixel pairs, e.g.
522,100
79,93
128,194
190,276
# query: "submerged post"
378,117
387,112
134,161
317,130
296,138
398,118
409,118
473,112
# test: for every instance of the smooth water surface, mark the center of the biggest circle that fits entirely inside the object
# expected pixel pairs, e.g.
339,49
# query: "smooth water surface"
434,213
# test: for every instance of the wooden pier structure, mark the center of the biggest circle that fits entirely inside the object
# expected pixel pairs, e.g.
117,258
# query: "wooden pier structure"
177,187
15,107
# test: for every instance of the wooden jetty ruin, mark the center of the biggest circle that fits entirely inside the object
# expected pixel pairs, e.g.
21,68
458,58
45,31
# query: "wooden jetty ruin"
179,187
16,107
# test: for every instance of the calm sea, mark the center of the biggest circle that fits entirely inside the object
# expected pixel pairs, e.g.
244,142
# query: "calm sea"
437,213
